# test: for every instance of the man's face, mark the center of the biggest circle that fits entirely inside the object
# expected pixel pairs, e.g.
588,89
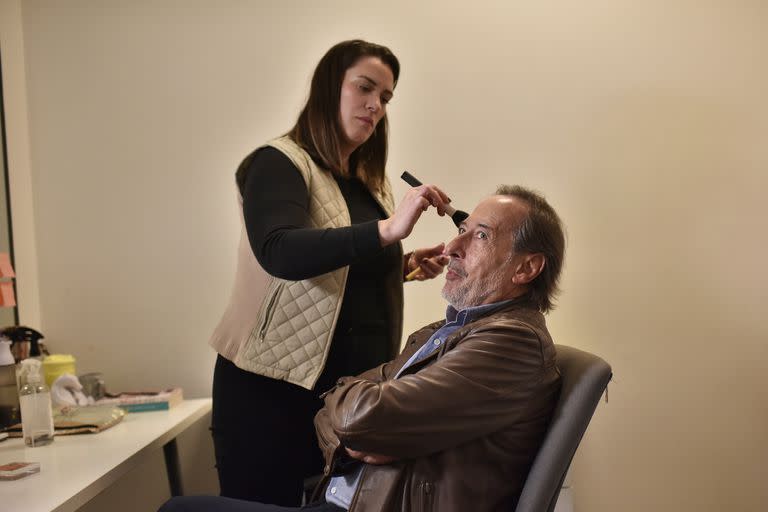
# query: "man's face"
483,260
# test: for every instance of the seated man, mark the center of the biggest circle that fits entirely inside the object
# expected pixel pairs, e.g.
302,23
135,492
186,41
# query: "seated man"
453,423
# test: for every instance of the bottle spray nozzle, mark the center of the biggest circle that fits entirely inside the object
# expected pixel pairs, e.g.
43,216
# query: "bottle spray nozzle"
30,371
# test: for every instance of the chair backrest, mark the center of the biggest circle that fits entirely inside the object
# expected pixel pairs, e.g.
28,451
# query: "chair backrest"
584,378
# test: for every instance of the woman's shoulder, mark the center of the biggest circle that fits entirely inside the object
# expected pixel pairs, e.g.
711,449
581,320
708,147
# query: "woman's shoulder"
265,163
291,149
270,155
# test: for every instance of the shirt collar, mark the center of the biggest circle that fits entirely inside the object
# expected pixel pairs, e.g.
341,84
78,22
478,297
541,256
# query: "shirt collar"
470,314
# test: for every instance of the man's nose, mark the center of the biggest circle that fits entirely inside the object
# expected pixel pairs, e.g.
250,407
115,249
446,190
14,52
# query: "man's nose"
455,248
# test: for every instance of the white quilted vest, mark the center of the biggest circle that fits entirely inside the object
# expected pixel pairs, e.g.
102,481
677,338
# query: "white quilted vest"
283,329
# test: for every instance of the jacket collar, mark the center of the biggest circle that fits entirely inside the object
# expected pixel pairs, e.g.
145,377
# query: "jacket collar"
473,313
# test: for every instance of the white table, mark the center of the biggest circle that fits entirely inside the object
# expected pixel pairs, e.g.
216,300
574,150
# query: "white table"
75,468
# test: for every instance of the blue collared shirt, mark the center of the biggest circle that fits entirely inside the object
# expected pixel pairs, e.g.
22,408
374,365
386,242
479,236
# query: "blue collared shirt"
341,488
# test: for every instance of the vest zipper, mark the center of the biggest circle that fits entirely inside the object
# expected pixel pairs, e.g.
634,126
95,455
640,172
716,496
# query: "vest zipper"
268,312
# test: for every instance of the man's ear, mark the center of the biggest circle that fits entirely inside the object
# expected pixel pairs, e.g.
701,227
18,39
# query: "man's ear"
529,268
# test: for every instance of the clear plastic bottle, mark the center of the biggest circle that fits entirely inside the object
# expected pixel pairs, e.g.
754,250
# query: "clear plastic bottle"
35,398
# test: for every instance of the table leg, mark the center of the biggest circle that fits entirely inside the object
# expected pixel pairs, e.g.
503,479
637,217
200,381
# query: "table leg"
172,467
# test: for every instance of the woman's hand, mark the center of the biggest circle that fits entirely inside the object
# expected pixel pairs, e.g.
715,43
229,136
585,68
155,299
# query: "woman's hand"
416,201
429,261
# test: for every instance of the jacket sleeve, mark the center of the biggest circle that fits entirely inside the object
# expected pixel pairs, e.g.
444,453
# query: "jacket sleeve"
377,373
327,439
483,384
276,216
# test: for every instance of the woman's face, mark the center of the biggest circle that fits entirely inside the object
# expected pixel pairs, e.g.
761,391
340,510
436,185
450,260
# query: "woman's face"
365,92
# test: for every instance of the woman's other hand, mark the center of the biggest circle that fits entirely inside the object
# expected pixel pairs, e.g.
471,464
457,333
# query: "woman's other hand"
416,201
430,261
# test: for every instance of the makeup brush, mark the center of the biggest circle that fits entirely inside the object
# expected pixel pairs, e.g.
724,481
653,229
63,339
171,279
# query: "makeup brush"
457,216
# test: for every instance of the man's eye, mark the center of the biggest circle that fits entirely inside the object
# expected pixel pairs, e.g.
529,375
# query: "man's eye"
481,235
462,231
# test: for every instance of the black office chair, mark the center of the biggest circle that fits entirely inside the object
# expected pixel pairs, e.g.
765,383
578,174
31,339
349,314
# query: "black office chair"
584,378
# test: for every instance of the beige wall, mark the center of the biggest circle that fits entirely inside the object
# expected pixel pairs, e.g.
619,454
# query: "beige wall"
645,123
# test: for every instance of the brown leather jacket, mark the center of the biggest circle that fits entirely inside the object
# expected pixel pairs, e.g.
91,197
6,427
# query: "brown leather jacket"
465,423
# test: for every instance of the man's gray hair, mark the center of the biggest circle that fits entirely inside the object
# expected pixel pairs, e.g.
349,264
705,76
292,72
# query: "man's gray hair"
540,232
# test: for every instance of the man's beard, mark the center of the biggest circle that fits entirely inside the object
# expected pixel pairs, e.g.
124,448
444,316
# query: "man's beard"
468,293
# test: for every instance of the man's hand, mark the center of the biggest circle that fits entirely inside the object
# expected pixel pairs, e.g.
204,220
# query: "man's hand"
370,458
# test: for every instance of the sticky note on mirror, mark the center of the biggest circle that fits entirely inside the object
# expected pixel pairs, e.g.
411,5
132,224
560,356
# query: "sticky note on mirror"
6,270
7,297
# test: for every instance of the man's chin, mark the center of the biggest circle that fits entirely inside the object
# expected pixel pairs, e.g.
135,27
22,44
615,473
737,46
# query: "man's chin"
451,297
445,294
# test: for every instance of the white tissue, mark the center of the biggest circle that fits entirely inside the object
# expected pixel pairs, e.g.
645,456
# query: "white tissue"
67,390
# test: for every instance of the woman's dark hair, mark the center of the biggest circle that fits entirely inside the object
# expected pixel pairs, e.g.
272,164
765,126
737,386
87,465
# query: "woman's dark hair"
540,232
318,129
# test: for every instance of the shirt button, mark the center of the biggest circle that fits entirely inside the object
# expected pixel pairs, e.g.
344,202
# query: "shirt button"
333,490
437,342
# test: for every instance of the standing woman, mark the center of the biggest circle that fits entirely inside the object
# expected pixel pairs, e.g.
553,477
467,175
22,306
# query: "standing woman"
318,289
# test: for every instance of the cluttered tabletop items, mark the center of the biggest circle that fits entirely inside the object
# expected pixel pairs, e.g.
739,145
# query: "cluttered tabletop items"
41,397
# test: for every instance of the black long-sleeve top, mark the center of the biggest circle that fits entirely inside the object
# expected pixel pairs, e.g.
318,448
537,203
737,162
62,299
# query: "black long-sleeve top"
276,213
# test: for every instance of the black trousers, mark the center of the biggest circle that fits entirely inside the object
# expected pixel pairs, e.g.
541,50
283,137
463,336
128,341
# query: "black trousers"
220,504
263,436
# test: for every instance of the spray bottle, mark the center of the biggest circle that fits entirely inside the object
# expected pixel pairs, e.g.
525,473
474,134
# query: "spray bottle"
35,398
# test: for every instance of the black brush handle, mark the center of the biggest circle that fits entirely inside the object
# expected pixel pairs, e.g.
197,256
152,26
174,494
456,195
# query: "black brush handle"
410,179
457,216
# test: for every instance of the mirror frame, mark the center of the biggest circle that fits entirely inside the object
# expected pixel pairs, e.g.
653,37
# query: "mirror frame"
5,194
